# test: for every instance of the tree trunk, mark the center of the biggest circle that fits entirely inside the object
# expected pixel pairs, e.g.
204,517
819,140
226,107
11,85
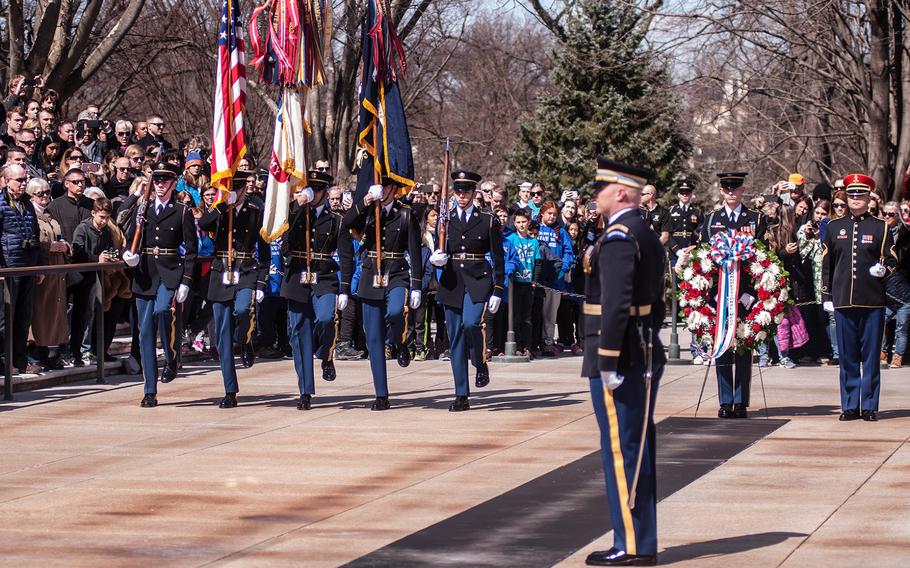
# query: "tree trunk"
878,155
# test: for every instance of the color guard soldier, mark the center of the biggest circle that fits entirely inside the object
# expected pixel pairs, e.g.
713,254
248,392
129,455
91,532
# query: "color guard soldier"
311,284
624,359
238,277
685,219
469,285
734,394
161,275
384,292
655,214
858,254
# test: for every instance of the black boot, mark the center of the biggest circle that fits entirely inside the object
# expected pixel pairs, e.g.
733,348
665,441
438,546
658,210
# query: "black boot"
381,403
483,376
170,373
404,356
460,404
328,370
149,400
229,400
247,355
304,402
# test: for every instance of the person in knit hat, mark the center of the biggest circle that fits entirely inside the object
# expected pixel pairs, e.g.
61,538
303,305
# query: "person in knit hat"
192,179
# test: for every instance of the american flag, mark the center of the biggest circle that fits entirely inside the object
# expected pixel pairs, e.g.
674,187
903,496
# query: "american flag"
228,141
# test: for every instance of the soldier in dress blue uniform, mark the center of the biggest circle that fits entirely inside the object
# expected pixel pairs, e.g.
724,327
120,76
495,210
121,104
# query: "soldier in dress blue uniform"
469,285
858,253
734,370
238,280
685,219
311,284
161,274
384,292
624,358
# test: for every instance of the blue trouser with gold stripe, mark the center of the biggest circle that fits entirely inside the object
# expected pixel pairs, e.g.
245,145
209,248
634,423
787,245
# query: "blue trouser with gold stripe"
620,415
465,326
382,317
155,312
234,321
859,339
305,318
728,390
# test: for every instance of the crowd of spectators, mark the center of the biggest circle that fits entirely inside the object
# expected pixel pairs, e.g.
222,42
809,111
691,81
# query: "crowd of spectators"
67,187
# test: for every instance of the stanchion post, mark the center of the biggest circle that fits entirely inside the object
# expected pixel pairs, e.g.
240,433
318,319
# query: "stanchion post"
99,328
8,347
510,355
673,348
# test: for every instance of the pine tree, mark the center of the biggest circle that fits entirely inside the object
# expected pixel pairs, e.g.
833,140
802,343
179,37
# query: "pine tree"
612,97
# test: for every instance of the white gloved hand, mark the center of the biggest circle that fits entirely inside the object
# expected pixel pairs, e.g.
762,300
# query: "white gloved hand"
828,307
439,258
232,198
341,302
611,379
260,295
373,194
130,258
493,304
415,300
182,292
304,196
877,270
747,300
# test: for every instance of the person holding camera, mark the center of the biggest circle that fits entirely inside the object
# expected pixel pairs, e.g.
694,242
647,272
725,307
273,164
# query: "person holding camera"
19,246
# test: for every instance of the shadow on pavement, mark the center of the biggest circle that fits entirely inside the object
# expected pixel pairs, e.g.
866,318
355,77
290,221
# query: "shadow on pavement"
724,546
788,411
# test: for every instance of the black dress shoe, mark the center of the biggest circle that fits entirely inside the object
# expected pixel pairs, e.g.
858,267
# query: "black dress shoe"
616,557
229,400
170,373
460,404
726,411
304,402
247,355
848,415
483,376
269,353
739,411
149,401
328,371
381,403
404,356
870,416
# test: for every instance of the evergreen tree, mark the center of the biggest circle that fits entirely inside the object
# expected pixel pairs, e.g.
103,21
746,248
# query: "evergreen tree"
611,97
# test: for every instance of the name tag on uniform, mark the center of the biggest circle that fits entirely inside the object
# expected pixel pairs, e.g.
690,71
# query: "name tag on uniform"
230,277
308,277
380,280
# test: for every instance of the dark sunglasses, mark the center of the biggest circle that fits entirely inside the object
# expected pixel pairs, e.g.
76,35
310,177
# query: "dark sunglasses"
123,133
536,193
839,205
41,193
74,159
20,180
158,124
27,142
889,214
119,169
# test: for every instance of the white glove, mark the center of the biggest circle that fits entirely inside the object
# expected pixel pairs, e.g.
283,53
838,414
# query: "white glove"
232,198
374,194
182,292
493,304
415,300
130,258
747,300
341,302
877,270
439,258
611,379
260,295
828,307
304,196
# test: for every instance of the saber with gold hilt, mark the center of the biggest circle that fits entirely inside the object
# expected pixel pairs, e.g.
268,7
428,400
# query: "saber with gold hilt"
646,346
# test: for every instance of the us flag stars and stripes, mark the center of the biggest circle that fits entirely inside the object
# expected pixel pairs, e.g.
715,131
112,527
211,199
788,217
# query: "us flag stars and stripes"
228,139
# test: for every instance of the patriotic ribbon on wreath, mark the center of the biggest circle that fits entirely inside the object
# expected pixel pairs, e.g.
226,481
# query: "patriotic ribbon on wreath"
728,249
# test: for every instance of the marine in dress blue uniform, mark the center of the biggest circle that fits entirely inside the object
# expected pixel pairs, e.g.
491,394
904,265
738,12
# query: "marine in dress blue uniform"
469,284
238,280
384,292
734,370
624,359
163,273
857,254
311,281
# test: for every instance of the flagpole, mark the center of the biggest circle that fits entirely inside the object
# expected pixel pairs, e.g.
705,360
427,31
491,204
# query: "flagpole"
376,180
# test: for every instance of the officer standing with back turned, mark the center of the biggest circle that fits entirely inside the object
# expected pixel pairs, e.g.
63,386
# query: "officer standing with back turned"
469,285
624,359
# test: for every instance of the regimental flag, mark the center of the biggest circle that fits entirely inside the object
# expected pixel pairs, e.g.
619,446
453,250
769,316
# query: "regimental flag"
289,51
228,140
287,167
381,107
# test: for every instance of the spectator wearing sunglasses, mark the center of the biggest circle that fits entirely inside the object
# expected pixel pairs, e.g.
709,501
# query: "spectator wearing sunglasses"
123,137
155,135
537,198
898,308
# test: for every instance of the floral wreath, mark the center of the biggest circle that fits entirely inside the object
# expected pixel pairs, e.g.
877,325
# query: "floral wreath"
702,270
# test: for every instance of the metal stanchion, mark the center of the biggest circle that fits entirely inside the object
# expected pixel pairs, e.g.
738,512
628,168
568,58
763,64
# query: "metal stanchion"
510,356
99,328
673,351
8,331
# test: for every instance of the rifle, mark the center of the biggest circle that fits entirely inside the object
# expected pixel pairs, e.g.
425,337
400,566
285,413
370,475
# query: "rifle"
444,200
141,214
